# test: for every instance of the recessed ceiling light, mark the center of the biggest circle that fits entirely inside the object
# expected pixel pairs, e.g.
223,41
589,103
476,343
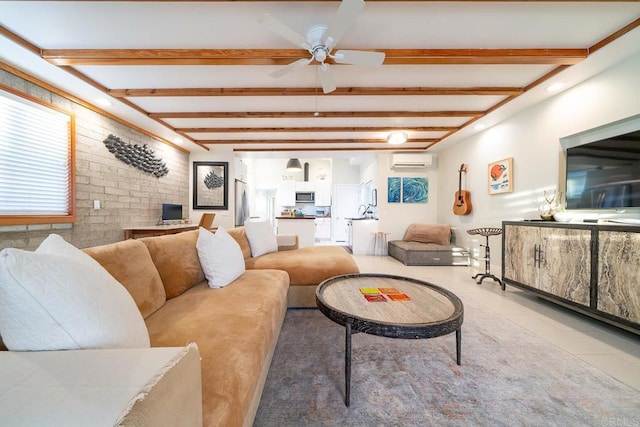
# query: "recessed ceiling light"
397,138
178,141
480,126
555,87
103,102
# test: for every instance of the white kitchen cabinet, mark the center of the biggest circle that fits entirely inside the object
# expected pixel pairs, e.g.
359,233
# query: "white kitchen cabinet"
323,193
323,228
363,236
286,194
303,227
305,186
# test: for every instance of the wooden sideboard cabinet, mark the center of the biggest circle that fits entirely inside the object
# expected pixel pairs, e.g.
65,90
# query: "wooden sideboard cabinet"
619,274
590,268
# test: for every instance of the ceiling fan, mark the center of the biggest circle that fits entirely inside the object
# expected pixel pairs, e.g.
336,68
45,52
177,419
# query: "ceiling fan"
320,41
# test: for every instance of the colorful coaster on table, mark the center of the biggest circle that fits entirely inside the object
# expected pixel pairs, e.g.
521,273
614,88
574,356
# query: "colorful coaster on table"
399,297
375,298
382,294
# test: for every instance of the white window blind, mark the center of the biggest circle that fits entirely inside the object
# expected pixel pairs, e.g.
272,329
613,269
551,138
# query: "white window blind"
35,159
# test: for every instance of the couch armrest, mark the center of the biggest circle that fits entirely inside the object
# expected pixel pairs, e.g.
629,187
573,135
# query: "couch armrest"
287,242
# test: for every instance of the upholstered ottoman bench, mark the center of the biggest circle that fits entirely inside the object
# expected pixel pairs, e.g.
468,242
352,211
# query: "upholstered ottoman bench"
428,244
417,253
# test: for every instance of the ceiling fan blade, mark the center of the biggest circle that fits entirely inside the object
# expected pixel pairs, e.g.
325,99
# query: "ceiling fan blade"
283,31
359,57
346,15
326,79
300,63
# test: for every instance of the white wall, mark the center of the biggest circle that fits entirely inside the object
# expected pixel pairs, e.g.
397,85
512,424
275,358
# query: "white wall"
343,173
395,217
532,139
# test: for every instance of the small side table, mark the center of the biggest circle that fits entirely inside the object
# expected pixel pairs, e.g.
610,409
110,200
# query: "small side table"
486,232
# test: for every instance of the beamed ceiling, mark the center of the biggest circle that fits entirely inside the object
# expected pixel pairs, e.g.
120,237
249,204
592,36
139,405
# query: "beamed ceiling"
200,70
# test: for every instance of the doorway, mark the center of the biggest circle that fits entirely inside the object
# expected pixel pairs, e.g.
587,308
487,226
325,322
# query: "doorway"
345,206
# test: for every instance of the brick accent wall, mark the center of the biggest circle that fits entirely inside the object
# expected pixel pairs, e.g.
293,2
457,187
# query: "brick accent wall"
127,195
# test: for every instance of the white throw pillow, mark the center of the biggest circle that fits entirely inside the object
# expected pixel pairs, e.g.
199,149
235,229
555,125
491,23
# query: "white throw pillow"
220,257
59,298
261,237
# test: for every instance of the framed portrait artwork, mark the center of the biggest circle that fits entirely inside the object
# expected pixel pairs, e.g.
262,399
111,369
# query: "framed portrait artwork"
210,185
501,176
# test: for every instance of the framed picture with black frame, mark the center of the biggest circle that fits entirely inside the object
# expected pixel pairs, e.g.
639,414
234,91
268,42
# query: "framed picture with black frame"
211,185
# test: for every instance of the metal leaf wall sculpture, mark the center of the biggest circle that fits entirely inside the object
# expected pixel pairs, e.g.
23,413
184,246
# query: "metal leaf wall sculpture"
140,156
213,181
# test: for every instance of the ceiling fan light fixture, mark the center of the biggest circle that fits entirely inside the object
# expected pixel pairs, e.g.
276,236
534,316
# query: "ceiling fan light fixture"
397,138
294,165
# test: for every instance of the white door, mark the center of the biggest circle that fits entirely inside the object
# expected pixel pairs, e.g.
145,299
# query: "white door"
346,199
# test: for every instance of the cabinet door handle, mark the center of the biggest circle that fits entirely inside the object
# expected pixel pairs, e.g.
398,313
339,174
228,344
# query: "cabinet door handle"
535,255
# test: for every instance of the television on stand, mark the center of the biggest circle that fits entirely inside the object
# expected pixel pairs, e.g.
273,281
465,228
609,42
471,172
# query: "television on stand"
171,213
603,167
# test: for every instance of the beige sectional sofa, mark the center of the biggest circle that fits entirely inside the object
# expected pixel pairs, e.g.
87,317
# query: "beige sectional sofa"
307,267
236,327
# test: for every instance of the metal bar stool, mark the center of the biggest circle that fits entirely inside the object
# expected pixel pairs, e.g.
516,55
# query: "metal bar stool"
380,241
486,232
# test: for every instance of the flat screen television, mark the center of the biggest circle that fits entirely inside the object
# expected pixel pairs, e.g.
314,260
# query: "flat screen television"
604,174
171,212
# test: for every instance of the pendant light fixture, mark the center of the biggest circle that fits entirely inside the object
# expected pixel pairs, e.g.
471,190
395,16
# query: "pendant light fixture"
293,165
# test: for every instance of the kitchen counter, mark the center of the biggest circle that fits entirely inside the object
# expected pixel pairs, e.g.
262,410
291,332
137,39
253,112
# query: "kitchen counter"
363,235
303,226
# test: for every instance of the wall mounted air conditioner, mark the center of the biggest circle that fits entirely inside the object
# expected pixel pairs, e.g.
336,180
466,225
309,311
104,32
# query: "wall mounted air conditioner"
411,160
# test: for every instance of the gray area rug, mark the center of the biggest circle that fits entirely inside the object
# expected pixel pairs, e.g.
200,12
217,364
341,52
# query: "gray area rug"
508,377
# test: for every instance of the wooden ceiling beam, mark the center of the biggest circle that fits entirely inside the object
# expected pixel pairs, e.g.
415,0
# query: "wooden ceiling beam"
436,1
311,141
319,129
311,91
285,56
307,114
392,148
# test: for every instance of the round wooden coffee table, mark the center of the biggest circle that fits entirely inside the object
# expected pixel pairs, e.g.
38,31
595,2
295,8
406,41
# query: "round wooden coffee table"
430,311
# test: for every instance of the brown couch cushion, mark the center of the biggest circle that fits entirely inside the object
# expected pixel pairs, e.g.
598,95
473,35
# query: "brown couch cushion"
130,263
240,235
236,329
307,266
440,234
176,259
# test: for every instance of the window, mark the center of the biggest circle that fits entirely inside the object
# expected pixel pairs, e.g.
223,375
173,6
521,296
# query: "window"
36,161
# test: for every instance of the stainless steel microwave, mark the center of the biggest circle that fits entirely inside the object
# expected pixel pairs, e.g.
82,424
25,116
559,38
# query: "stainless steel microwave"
305,197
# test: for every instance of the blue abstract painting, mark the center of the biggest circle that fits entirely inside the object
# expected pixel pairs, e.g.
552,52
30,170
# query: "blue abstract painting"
393,189
415,190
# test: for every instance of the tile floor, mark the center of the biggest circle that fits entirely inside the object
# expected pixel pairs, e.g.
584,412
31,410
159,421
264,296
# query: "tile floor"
609,349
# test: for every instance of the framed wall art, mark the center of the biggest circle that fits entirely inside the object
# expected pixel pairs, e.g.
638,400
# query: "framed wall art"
394,189
501,176
210,185
415,190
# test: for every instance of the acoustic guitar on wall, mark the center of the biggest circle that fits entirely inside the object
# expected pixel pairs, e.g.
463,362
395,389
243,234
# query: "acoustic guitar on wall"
462,203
